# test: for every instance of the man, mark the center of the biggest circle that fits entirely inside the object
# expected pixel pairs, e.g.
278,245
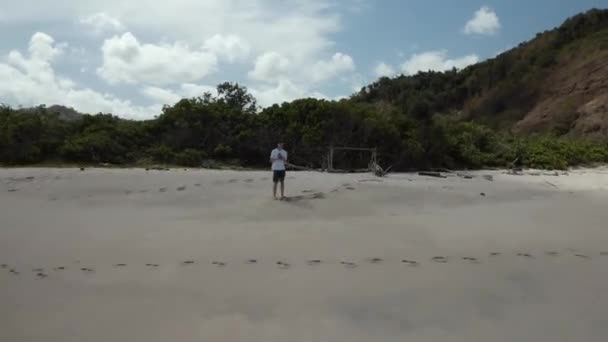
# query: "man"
278,158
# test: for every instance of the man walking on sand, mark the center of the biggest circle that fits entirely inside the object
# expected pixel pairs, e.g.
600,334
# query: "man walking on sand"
278,158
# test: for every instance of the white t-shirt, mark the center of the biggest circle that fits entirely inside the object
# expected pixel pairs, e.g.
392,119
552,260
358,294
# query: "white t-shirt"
278,164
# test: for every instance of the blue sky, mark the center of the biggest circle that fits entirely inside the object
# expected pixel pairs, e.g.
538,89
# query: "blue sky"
130,58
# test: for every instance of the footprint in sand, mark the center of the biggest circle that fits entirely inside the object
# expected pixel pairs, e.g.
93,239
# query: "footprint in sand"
4,266
120,265
313,262
410,262
350,188
197,185
307,191
163,189
41,275
153,265
233,181
334,190
494,254
552,253
252,261
348,264
181,188
582,256
440,259
143,191
12,190
38,270
60,268
604,253
249,180
375,260
525,255
283,265
13,272
471,260
87,270
318,195
218,263
188,262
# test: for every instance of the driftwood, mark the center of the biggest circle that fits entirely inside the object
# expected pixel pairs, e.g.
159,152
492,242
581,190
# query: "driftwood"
301,168
464,175
378,170
432,174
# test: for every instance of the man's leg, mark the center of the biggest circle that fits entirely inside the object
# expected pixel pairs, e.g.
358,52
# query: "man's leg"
275,181
283,188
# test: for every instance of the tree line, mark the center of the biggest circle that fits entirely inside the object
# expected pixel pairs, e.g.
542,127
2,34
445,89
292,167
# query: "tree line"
231,129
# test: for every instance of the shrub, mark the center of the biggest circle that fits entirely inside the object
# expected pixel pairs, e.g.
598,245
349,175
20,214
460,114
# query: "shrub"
189,157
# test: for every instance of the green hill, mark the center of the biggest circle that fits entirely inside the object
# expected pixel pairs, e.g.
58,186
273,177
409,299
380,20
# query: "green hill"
555,83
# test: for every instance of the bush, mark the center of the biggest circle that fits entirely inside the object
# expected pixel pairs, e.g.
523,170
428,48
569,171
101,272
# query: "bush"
161,154
222,151
189,157
548,152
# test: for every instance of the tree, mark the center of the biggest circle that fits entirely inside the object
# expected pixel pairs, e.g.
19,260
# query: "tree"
237,97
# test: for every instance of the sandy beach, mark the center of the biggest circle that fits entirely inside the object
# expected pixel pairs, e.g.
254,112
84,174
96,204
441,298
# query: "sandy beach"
200,255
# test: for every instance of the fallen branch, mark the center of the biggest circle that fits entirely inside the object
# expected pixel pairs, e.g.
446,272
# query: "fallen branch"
432,174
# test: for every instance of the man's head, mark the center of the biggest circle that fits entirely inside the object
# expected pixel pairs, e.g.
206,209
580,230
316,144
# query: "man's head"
280,146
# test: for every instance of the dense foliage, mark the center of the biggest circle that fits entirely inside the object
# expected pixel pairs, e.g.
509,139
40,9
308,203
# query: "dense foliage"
453,119
229,129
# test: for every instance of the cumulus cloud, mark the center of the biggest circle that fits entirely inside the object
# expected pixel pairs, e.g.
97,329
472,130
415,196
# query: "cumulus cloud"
384,70
284,90
338,64
168,96
484,22
269,67
102,22
436,61
167,47
161,95
33,81
126,60
230,47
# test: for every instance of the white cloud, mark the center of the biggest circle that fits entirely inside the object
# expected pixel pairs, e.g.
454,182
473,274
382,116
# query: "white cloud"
436,61
160,95
102,22
33,81
293,28
231,47
169,46
170,96
338,64
384,70
284,90
485,21
127,60
269,67
190,90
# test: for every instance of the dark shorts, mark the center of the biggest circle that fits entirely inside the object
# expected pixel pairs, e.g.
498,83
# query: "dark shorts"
278,176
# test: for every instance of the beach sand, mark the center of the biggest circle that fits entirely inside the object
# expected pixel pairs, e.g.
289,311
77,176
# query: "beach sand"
200,255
